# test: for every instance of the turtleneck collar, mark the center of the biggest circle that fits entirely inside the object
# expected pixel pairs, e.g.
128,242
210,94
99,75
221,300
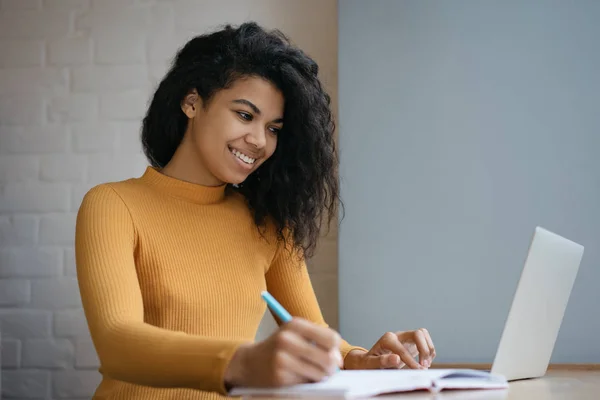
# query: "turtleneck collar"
188,191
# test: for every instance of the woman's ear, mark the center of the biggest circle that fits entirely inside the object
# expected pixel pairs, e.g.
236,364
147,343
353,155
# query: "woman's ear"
191,103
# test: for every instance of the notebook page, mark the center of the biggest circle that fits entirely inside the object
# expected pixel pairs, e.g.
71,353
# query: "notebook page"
354,383
365,383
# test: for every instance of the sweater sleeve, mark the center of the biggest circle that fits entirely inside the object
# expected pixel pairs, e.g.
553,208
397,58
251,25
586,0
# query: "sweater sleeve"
128,348
289,282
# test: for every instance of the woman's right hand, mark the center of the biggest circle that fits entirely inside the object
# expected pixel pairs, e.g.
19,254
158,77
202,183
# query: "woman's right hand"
298,352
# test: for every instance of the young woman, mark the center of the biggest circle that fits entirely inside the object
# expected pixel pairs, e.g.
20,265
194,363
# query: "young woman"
171,264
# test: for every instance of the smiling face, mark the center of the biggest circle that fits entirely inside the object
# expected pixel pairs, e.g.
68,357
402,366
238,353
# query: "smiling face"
235,133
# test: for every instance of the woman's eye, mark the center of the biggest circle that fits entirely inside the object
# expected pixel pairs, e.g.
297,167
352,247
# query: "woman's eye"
275,130
245,115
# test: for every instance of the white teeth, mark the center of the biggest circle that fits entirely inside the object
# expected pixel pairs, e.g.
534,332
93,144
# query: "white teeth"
243,157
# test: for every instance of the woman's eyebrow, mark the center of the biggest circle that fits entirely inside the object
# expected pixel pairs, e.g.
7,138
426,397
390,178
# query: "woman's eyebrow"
248,103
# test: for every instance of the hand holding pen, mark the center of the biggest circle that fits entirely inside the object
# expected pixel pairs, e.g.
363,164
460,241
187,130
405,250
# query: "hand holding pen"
298,352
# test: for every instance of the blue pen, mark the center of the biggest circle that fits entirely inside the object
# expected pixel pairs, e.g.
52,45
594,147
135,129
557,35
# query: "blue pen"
277,308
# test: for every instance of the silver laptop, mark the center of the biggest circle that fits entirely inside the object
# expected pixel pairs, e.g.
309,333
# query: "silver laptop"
538,306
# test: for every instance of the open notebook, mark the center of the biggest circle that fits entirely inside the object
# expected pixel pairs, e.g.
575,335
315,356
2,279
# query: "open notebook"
366,383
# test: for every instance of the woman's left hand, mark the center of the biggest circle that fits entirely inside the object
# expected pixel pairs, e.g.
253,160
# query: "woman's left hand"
395,350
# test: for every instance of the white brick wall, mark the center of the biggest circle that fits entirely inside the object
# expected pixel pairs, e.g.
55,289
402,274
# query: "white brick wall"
75,79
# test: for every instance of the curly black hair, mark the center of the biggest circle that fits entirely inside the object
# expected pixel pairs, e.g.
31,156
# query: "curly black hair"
297,187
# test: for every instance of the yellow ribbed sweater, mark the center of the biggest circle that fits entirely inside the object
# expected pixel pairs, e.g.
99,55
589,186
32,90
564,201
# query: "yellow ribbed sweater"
170,275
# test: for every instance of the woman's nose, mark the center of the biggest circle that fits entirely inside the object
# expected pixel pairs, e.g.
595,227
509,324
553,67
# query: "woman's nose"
257,138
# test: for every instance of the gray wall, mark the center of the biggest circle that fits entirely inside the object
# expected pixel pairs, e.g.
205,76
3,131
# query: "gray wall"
463,125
